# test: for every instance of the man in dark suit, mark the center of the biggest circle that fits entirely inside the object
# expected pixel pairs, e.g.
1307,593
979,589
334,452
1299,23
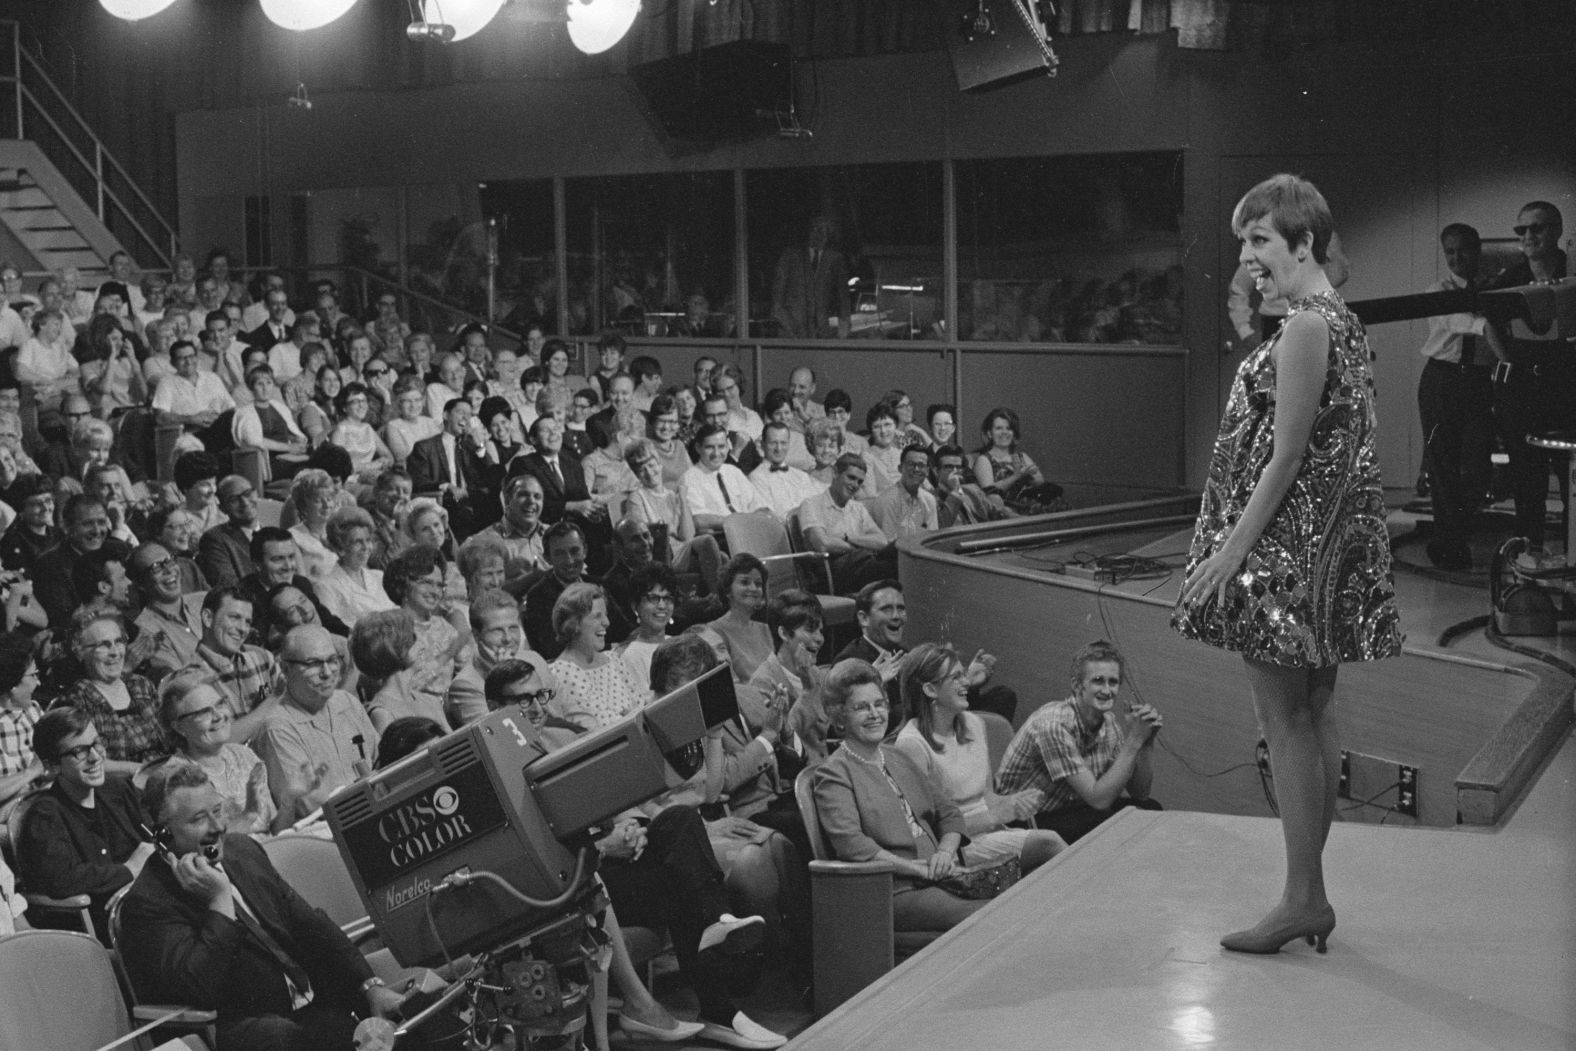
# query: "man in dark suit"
882,613
810,286
565,546
275,328
209,922
451,465
224,554
564,493
87,530
278,562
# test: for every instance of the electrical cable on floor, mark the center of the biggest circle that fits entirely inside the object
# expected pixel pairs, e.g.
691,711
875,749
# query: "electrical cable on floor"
1527,651
1455,631
1370,800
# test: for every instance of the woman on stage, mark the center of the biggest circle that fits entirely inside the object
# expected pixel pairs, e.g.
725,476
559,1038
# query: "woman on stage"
1290,562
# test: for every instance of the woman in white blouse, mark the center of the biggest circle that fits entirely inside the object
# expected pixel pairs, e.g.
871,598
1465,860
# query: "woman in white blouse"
315,497
595,689
350,590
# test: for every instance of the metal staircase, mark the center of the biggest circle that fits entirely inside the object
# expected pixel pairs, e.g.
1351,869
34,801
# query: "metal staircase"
64,199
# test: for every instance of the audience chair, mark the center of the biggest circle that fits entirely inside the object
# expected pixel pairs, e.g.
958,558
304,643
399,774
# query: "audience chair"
177,1017
767,539
851,915
252,464
60,992
998,735
312,866
164,455
41,908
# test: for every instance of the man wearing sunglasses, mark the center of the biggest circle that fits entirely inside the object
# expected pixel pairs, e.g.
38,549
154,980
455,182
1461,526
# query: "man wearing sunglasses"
83,834
319,739
1535,386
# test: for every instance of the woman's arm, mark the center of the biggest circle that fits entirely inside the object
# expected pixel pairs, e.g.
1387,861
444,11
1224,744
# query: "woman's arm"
685,530
1030,470
983,473
1301,361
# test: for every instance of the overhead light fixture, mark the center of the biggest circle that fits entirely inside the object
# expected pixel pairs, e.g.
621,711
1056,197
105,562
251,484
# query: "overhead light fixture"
301,15
134,10
465,17
596,25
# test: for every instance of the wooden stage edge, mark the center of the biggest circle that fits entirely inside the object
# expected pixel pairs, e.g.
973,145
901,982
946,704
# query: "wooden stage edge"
1477,730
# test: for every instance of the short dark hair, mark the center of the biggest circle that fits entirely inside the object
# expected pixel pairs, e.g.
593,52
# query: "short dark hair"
791,610
880,411
865,597
503,674
837,398
736,567
1461,231
218,596
404,736
264,536
611,341
57,725
652,574
413,563
681,660
75,505
775,399
92,569
947,450
387,479
558,530
193,467
335,459
643,366
708,430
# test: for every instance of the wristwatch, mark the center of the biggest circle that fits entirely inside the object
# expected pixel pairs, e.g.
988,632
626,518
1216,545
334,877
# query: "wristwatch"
372,983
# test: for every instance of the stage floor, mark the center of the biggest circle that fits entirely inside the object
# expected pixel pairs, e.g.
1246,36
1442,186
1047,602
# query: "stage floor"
1446,939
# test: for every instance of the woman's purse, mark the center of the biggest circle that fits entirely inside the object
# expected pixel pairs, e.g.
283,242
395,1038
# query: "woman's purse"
983,882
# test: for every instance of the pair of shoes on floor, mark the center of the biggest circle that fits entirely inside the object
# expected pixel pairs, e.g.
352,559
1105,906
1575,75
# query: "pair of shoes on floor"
1447,555
731,934
743,1032
1271,933
662,1034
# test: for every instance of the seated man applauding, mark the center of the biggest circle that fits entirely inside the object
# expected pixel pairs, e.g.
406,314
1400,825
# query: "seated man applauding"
210,923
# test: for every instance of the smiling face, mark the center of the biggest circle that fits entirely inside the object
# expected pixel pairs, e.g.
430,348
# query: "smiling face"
424,595
883,625
89,527
567,555
102,650
846,483
280,563
592,636
1095,692
202,720
1539,232
747,592
1270,259
195,820
428,528
226,628
79,762
654,609
865,714
1461,255
525,502
949,692
714,451
942,426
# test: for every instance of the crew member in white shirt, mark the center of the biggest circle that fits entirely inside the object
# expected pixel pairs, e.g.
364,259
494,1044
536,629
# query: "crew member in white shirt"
714,488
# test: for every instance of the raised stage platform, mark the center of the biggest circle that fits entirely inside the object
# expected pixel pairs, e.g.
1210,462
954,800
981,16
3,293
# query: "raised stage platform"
1474,722
1445,941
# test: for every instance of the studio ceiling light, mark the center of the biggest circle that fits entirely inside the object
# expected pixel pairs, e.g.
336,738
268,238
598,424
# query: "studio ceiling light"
468,17
134,10
596,25
302,15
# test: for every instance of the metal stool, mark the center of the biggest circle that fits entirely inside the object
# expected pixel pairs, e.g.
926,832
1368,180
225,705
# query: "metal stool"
1564,441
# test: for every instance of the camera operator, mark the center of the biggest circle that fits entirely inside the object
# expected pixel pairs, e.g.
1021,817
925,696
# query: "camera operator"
663,874
210,923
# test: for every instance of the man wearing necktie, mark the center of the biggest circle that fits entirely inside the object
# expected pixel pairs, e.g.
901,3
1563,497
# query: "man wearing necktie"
782,488
714,488
210,923
810,286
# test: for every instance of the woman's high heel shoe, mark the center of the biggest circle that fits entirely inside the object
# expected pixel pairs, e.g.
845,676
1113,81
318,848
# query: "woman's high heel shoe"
1315,928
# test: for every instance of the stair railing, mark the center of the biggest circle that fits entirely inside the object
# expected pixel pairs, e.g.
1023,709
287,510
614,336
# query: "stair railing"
68,140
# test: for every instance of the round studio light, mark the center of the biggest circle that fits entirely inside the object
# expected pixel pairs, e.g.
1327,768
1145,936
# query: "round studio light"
468,17
302,15
596,25
134,10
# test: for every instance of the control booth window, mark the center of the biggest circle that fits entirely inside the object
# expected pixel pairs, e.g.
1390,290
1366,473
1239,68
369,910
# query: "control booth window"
1070,249
527,279
847,251
651,255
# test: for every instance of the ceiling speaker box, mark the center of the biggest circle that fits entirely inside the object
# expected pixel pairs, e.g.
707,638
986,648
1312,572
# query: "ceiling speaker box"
731,91
1010,54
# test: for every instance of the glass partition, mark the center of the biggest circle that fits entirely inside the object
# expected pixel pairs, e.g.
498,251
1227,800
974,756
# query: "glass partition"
1070,249
527,263
846,251
651,254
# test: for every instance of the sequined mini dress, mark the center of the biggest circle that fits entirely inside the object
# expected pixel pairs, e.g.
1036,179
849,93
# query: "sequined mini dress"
1317,587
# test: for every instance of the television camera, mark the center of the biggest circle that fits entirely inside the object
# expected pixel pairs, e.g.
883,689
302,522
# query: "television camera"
480,846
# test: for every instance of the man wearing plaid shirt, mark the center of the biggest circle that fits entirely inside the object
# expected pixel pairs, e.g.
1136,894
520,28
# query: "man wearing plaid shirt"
249,677
1085,759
